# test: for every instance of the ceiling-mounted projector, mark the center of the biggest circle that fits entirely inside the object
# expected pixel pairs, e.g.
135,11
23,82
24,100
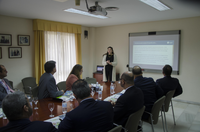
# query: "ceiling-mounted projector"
97,10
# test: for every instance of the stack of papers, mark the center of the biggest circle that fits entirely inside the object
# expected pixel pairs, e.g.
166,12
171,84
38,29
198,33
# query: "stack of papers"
55,121
66,96
114,97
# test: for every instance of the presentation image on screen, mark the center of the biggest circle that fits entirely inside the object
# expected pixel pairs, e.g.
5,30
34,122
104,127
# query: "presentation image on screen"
152,52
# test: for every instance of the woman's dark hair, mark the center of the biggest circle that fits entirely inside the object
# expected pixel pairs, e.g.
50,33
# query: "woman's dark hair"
76,70
107,52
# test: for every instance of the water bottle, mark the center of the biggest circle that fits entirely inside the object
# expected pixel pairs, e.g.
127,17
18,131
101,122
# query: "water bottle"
64,106
100,95
111,88
97,86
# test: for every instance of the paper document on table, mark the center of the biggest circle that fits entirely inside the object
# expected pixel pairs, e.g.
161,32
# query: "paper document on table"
63,97
123,91
67,95
55,121
1,112
115,96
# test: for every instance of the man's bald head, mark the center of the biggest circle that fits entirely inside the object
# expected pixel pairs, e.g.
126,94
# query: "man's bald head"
137,70
128,77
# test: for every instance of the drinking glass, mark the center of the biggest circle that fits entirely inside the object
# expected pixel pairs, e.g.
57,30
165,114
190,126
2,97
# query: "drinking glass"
51,107
92,92
35,99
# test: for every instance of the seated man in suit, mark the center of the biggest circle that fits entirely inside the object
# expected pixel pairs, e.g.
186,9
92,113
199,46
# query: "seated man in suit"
152,92
5,87
18,110
90,115
47,84
167,83
129,102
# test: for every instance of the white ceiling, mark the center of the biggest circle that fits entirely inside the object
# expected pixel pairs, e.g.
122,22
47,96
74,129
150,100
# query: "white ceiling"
130,11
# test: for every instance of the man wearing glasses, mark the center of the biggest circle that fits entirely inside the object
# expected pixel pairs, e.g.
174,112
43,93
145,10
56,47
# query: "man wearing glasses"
131,101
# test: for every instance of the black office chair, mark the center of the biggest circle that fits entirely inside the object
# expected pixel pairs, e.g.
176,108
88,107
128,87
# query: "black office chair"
28,84
62,85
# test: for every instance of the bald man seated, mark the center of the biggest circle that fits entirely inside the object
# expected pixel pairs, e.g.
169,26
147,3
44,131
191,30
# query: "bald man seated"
152,92
131,101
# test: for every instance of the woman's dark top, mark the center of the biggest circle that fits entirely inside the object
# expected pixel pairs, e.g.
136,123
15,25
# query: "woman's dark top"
111,58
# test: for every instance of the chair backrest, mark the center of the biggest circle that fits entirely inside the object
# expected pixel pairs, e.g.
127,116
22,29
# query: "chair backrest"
62,85
168,98
133,120
90,80
116,129
11,83
35,92
156,109
28,82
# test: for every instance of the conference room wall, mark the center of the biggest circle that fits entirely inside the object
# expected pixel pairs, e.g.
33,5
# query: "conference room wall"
117,37
24,67
17,68
88,52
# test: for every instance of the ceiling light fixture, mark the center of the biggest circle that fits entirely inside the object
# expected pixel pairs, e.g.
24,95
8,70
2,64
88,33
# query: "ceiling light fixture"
72,10
156,4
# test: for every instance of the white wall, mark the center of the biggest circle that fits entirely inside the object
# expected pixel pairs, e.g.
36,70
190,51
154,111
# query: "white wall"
88,52
20,67
117,37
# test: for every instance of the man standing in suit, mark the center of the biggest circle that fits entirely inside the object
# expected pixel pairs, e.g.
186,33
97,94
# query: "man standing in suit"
18,110
47,84
5,87
167,83
151,91
90,115
129,102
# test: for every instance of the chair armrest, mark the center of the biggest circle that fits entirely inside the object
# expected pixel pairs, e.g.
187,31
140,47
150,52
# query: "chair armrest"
125,130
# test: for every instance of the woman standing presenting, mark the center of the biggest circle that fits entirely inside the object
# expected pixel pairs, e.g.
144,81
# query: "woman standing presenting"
109,61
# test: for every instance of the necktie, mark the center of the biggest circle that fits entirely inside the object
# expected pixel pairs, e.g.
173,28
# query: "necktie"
8,86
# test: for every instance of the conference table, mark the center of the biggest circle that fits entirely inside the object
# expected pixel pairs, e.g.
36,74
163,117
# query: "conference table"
43,112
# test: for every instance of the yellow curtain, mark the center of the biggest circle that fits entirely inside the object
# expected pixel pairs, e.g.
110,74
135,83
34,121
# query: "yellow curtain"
39,26
39,54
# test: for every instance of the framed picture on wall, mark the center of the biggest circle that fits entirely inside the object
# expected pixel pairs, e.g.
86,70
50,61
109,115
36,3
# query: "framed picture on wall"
0,53
23,40
5,39
14,52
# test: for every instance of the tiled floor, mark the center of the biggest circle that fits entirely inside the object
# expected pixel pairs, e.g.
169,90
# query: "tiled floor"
187,118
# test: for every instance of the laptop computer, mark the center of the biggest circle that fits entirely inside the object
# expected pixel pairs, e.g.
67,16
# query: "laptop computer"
100,68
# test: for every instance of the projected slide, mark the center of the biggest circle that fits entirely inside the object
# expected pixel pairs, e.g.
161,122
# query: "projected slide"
153,52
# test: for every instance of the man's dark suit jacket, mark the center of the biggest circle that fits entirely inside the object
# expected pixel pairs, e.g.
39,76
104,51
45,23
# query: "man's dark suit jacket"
128,103
152,92
47,87
89,116
168,83
25,125
3,91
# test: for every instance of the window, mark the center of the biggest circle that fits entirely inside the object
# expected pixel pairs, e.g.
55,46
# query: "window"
60,47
